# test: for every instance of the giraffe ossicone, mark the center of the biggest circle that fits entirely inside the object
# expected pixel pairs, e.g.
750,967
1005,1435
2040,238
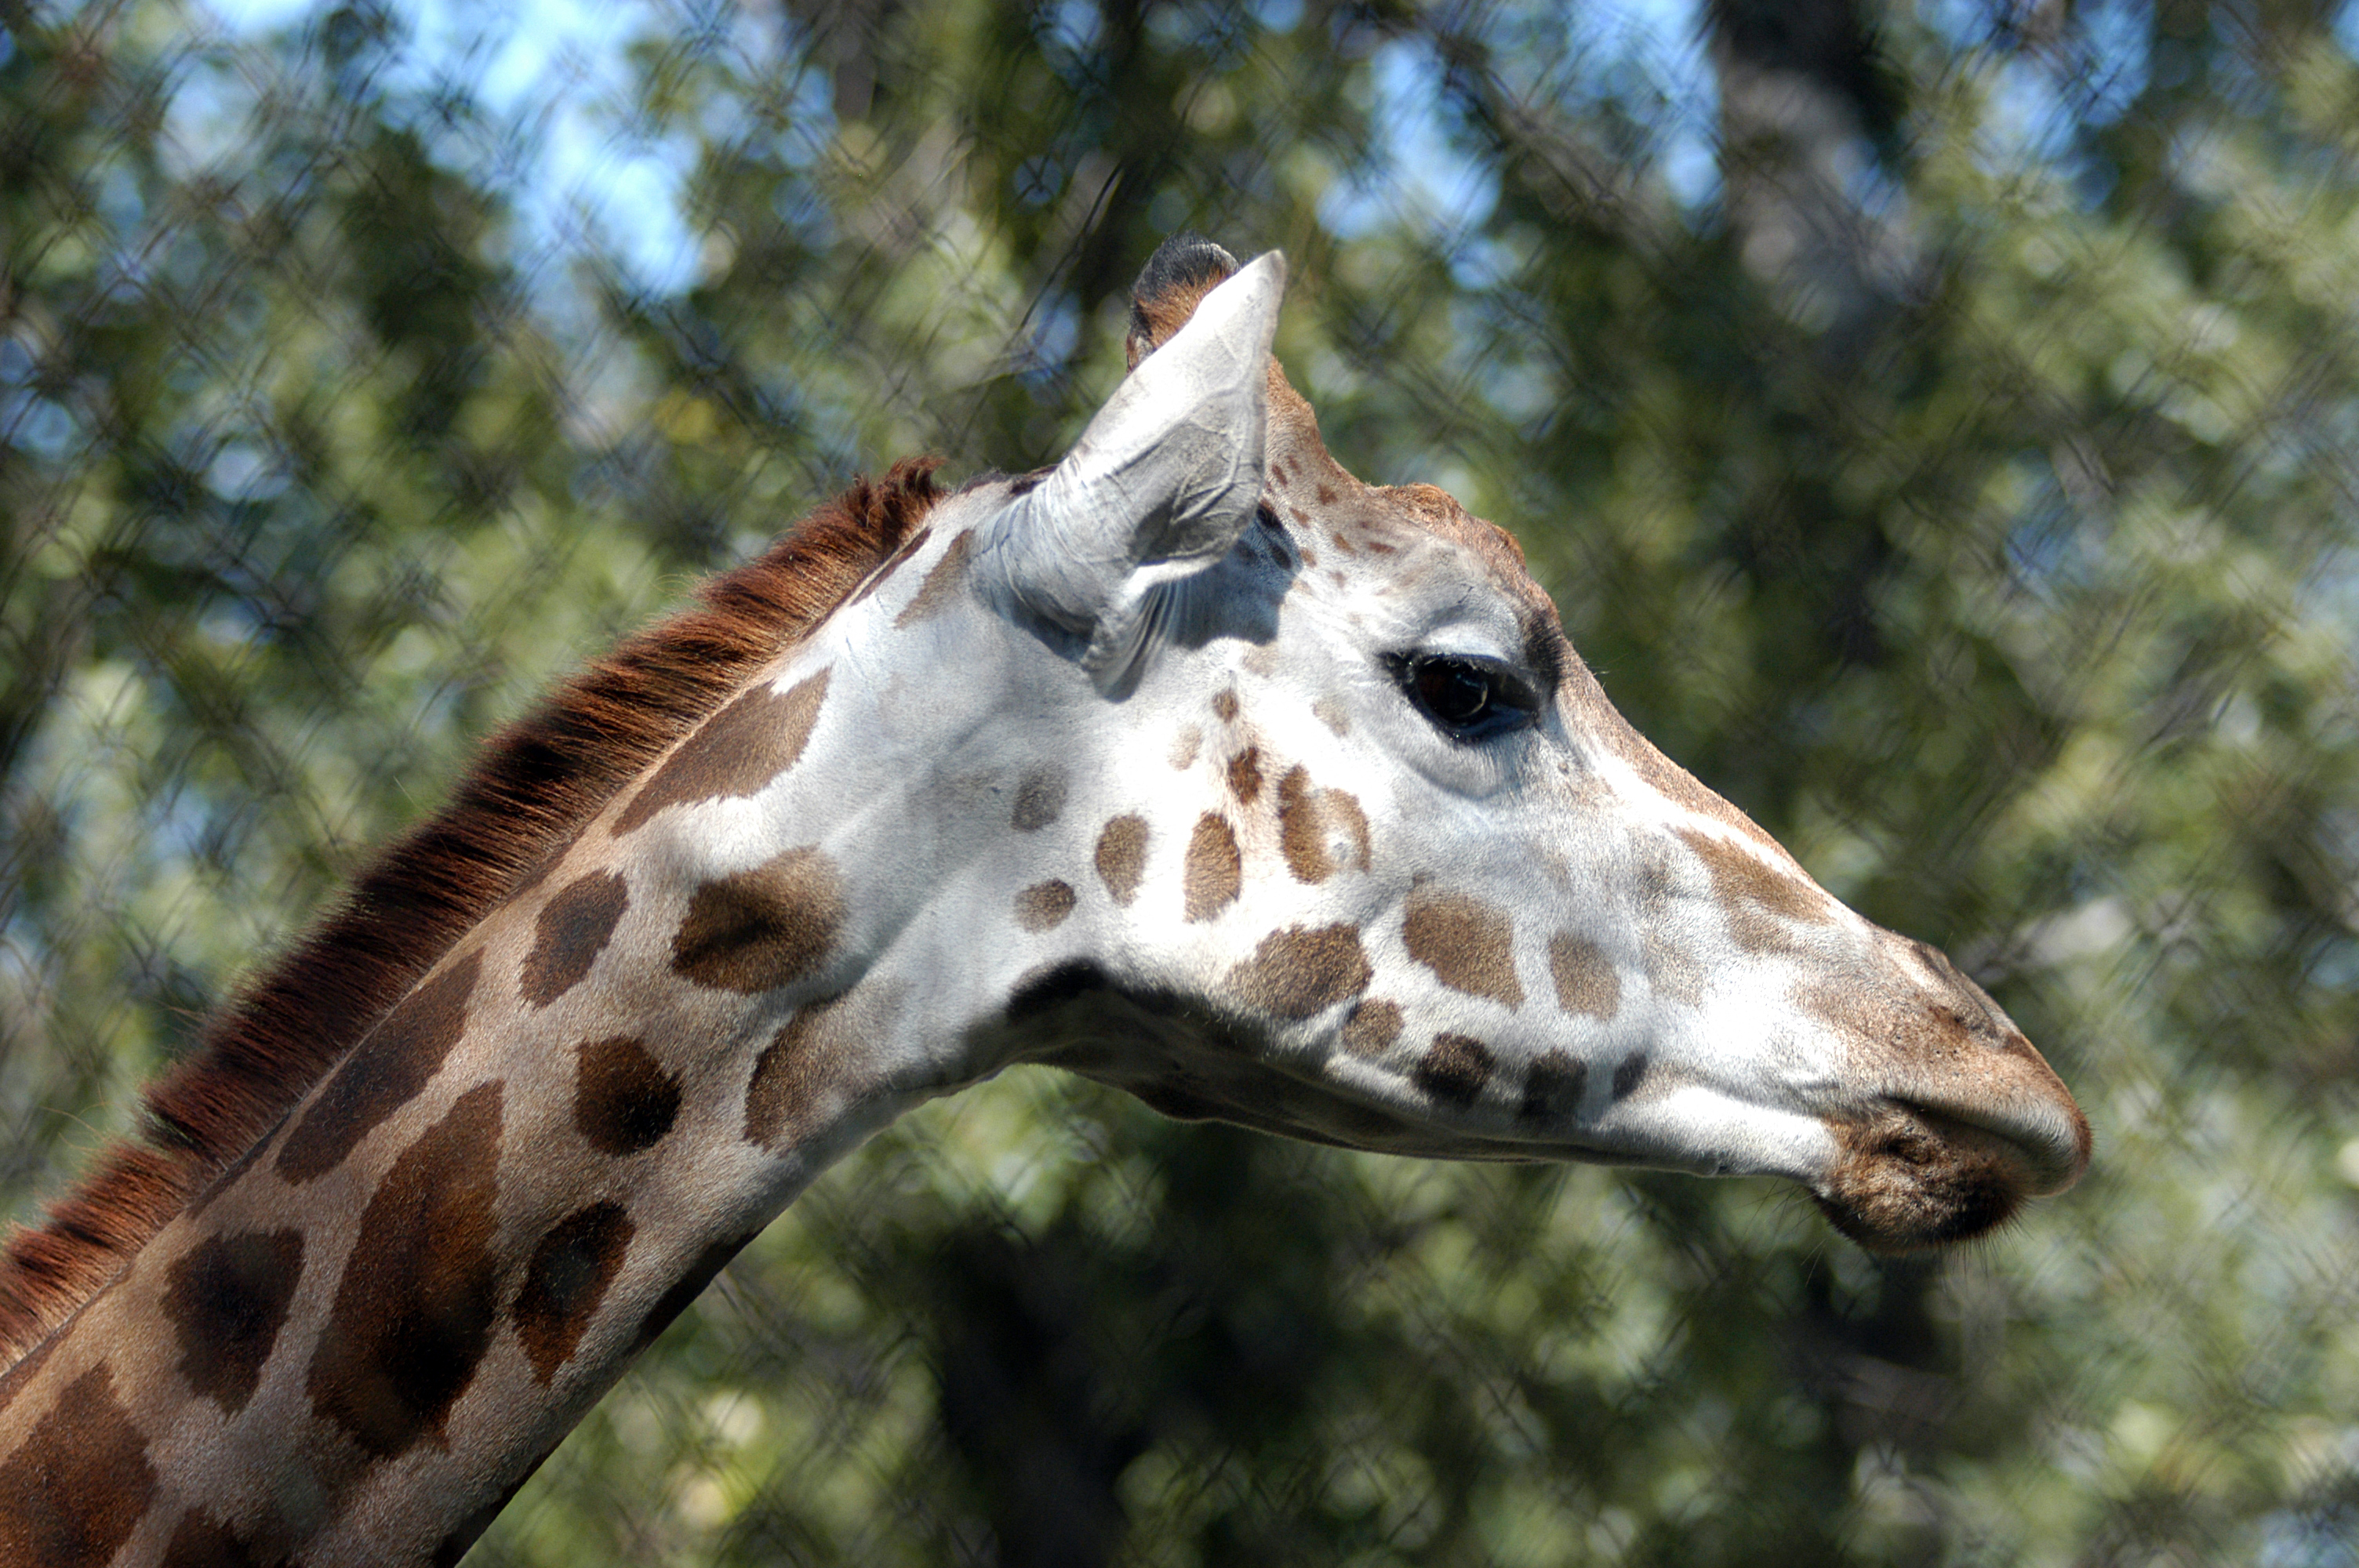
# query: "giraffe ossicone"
1194,765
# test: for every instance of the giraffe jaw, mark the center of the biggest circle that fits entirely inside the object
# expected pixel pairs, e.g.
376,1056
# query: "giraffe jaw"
1898,1176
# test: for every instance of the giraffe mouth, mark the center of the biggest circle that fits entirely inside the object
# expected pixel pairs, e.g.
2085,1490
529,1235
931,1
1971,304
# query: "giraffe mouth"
1909,1176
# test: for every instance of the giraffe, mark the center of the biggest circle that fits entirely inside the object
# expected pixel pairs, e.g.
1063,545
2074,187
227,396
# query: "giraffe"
1192,764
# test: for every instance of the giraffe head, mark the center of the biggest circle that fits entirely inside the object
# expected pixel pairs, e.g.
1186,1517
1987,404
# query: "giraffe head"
1201,768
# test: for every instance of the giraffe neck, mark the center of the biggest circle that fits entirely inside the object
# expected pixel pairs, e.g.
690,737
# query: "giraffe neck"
358,1345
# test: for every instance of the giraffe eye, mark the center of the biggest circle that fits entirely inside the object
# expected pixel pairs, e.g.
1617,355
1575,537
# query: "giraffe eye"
1470,698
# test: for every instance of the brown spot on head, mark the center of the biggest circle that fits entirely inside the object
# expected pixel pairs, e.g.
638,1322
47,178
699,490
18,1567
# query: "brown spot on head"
1297,971
623,1100
384,1072
941,581
800,1064
227,1297
1309,557
420,1292
1184,746
1630,1074
1585,982
1044,905
1307,820
1371,1028
1454,1070
1327,498
1215,870
734,753
1468,945
1750,891
1122,856
1224,705
764,928
1040,800
76,1486
571,930
1183,269
1244,775
566,1280
1553,1087
1331,712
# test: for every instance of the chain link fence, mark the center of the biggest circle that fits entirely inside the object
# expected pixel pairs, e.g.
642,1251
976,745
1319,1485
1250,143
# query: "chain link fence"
1935,422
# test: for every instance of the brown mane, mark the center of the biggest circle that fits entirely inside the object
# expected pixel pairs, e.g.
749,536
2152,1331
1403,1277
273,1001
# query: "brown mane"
534,785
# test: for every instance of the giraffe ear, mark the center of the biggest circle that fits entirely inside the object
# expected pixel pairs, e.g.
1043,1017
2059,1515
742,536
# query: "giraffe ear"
1159,486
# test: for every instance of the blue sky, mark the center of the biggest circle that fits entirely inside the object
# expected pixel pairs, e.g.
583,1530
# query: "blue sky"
554,74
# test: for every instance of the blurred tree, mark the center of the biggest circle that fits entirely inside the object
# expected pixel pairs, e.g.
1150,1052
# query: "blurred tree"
1946,450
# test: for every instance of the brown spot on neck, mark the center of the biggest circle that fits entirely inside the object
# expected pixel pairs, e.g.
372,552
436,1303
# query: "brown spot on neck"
1122,856
384,1072
79,1484
801,1063
569,934
227,1298
1224,705
623,1100
1468,945
1299,971
941,581
1215,874
420,1290
734,753
764,928
565,1283
200,1541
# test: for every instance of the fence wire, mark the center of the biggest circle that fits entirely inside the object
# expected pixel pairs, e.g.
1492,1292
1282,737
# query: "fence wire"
1936,423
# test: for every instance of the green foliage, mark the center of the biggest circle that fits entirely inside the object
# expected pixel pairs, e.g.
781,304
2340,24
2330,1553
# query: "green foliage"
2007,581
